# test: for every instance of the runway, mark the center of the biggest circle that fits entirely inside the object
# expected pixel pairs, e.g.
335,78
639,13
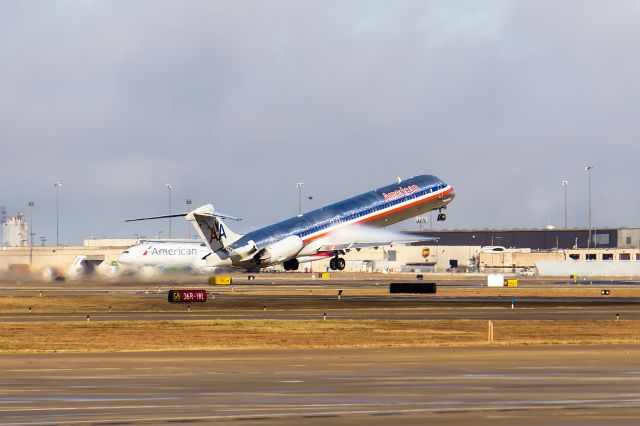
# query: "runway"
483,385
470,382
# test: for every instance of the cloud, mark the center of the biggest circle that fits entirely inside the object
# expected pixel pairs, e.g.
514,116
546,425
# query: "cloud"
235,102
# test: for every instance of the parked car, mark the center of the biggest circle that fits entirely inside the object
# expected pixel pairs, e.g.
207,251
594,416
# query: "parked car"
528,272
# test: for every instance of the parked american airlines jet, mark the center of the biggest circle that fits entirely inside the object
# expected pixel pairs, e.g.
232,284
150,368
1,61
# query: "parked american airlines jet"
325,232
161,255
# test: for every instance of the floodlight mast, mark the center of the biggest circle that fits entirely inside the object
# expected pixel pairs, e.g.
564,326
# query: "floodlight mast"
169,187
565,183
57,185
588,170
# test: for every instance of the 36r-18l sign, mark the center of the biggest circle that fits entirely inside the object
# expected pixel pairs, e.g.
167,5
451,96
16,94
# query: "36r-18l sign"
187,296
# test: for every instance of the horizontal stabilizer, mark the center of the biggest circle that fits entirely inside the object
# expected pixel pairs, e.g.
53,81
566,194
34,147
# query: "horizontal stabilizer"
166,216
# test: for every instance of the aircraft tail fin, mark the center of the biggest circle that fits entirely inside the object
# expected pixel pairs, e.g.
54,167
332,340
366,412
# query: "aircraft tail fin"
210,227
208,224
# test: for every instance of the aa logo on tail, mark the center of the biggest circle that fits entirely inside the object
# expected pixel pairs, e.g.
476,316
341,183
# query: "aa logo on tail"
217,232
221,232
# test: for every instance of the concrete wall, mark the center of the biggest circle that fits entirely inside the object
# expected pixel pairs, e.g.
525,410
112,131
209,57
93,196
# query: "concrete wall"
50,256
548,268
110,242
511,259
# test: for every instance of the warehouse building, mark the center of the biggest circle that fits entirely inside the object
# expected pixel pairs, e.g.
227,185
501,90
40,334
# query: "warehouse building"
539,239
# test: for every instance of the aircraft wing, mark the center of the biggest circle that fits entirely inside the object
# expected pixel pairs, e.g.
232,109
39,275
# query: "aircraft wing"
331,246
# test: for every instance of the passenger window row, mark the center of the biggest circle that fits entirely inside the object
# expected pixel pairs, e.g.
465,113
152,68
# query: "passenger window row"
372,210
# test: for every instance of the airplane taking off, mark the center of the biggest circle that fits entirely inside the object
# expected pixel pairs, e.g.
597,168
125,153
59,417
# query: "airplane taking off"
161,255
329,231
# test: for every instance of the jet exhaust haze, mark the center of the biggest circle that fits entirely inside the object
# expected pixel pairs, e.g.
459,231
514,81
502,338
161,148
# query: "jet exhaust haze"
369,234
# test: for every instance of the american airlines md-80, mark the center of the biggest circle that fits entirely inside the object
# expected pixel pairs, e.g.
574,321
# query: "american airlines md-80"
321,233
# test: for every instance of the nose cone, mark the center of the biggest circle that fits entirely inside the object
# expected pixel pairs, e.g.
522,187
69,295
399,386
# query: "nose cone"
129,255
124,257
449,196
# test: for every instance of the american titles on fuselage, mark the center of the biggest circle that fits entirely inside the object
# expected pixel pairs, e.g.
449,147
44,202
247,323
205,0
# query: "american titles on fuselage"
178,251
401,192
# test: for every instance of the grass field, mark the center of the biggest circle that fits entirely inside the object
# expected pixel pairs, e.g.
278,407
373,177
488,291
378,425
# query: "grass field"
280,334
18,333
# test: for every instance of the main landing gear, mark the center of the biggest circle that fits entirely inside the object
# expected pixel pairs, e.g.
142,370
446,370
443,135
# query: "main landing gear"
291,265
337,263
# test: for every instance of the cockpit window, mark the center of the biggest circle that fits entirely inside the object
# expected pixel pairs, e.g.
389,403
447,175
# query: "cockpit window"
125,252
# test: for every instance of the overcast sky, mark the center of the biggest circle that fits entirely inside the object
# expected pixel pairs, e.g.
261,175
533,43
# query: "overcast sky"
235,101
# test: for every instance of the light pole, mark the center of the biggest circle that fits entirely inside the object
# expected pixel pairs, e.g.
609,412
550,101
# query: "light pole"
31,204
588,170
189,209
471,261
299,186
310,202
169,187
57,185
564,185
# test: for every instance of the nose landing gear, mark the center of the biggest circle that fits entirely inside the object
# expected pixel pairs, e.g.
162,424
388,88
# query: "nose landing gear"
441,216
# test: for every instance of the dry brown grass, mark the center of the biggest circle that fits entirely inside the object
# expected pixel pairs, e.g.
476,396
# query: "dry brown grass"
85,304
278,334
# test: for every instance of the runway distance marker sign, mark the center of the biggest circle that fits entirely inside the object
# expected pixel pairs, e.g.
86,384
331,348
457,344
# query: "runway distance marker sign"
187,296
